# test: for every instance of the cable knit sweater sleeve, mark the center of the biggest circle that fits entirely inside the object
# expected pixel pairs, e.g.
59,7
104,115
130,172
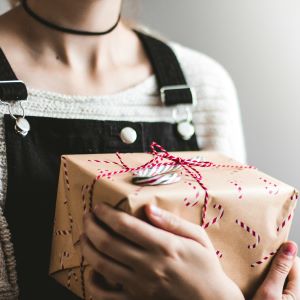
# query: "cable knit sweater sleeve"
217,115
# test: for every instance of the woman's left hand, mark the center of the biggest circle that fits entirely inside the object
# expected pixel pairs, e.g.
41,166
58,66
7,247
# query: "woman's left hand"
174,260
283,279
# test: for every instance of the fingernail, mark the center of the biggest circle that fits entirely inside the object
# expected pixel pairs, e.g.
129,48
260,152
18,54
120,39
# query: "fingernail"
155,211
289,249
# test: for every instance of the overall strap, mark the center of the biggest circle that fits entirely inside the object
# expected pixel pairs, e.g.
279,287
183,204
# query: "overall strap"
11,89
170,78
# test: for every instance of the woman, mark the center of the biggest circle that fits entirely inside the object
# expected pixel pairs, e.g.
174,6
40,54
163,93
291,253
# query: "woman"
67,52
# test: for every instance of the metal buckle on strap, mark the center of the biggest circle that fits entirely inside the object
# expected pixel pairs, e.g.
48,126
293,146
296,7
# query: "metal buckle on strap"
11,81
178,87
22,126
13,91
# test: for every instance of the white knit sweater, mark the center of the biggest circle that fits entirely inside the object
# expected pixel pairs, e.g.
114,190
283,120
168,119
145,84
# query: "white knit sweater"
216,118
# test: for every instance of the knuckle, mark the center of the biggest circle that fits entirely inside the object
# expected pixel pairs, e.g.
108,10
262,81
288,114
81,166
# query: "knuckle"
282,266
158,281
96,292
289,295
100,265
122,223
104,242
86,223
92,289
172,220
159,274
88,227
173,248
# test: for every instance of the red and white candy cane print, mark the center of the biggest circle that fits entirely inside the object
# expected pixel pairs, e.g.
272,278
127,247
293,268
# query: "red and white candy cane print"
238,188
63,256
295,196
71,274
215,219
287,219
271,187
192,202
219,253
251,231
262,260
62,232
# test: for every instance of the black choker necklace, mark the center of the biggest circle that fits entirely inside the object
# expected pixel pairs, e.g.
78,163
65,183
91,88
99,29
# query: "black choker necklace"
63,29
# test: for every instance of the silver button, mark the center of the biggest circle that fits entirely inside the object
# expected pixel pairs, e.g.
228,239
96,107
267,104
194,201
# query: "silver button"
22,126
185,129
128,135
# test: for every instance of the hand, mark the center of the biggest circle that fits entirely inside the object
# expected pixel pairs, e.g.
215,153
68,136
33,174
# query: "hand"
175,261
283,279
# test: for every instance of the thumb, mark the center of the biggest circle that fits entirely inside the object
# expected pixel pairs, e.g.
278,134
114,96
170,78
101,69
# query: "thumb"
179,226
292,289
280,269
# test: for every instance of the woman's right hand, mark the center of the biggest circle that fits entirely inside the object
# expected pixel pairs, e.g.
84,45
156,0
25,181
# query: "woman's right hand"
283,279
174,259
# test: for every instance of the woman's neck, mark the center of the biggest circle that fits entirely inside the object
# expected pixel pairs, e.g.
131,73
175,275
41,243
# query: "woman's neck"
73,64
87,15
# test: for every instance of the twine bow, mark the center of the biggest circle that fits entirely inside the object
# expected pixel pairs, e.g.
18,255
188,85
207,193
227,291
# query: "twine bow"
189,165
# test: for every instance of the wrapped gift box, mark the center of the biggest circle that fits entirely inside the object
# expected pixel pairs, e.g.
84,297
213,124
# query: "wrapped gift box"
247,213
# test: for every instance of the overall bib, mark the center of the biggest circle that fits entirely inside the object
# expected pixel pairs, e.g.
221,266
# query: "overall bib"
33,163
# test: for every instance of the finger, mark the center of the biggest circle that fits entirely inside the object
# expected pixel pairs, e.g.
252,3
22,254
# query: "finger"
292,288
110,244
280,268
103,264
99,293
176,225
131,228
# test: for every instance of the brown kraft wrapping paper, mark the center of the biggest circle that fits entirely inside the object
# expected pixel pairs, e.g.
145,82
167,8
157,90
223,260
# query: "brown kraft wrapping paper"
248,212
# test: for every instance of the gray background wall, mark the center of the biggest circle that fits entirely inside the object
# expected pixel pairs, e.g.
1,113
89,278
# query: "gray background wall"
259,44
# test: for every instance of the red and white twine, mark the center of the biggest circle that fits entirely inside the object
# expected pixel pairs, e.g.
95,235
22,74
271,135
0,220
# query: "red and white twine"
189,166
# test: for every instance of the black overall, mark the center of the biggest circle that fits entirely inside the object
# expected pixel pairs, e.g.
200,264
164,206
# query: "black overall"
33,167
